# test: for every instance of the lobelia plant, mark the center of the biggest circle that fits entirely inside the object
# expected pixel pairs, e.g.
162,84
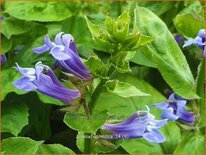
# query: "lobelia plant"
43,79
140,124
112,82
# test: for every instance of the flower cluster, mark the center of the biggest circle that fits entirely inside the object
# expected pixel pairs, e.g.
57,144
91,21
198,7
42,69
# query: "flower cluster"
198,41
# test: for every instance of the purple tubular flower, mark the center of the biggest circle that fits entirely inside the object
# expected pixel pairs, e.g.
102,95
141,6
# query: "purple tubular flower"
173,109
140,124
178,38
43,79
3,59
198,41
65,52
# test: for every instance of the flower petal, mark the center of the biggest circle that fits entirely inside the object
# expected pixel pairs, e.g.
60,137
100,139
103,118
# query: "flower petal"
67,39
25,84
28,72
58,38
58,53
47,87
169,114
154,136
184,115
158,123
188,42
48,42
41,49
162,105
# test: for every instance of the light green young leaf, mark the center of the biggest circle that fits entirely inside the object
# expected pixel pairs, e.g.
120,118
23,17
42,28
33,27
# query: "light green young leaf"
190,20
53,149
123,89
96,66
38,11
165,53
78,121
20,145
14,117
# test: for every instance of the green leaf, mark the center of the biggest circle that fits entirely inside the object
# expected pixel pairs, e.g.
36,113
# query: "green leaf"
190,20
165,53
9,76
49,100
38,11
78,121
140,145
20,145
14,117
200,89
53,149
123,89
172,134
191,143
156,7
126,106
12,26
6,44
97,145
96,66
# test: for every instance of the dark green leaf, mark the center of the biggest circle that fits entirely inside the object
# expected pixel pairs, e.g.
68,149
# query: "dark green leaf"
38,11
12,26
14,117
165,53
6,44
20,145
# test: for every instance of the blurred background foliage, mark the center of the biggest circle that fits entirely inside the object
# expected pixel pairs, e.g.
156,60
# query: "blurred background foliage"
24,25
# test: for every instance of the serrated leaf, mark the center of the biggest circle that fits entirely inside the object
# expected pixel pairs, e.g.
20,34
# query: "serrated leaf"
20,145
38,11
78,121
14,117
96,66
53,149
123,89
165,53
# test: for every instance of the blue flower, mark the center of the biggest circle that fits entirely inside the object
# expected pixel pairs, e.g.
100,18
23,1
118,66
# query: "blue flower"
198,41
65,52
173,109
43,79
140,124
3,59
178,38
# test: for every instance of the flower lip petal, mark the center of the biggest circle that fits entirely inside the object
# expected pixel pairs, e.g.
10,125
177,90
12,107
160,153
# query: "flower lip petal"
201,33
25,84
67,39
59,54
28,72
48,42
169,114
154,136
188,42
41,49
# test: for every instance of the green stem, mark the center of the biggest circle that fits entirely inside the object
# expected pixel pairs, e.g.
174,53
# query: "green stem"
87,143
